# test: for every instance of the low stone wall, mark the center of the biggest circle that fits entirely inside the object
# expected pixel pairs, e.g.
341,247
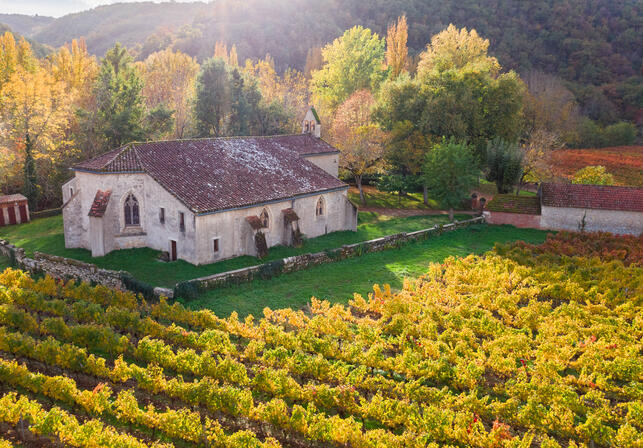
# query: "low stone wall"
191,288
62,268
67,268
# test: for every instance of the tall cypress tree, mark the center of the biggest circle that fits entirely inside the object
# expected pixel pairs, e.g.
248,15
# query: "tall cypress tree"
30,187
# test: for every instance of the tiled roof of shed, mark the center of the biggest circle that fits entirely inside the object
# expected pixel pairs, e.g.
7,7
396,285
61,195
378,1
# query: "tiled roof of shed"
12,198
593,197
216,174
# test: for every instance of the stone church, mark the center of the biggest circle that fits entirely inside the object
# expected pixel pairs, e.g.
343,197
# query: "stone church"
204,200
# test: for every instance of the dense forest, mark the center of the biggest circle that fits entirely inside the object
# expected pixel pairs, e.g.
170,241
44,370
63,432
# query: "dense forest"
403,88
593,44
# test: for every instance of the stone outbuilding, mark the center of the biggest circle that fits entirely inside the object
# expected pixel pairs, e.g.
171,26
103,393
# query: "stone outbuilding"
592,208
14,209
572,207
204,200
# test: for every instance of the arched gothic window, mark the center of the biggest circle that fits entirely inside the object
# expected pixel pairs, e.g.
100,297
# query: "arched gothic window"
319,210
131,211
306,126
265,219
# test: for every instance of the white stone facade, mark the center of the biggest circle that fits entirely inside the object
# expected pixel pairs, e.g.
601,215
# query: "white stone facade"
614,221
195,243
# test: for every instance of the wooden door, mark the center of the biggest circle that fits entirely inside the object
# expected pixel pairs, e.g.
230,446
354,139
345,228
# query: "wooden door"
23,212
2,223
172,250
12,215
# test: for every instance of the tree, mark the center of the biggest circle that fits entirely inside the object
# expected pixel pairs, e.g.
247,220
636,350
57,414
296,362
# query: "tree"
535,159
396,49
360,141
34,104
450,172
30,184
550,107
504,164
284,96
459,50
406,152
169,79
120,111
593,175
458,93
351,62
212,103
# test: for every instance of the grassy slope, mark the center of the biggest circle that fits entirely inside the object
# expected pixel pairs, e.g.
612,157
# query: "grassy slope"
46,235
337,282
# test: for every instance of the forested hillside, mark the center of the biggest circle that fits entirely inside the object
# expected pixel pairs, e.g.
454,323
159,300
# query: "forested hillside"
498,88
593,43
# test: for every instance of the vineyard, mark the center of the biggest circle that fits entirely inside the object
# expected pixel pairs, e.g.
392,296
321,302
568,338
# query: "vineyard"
624,162
525,346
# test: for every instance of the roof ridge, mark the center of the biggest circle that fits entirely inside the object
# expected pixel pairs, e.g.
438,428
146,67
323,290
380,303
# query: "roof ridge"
138,158
227,137
123,148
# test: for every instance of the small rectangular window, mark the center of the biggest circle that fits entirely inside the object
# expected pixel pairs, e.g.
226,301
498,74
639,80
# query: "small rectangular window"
215,245
162,215
182,221
71,191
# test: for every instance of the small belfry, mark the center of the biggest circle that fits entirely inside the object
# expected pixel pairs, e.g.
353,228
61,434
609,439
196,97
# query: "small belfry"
311,123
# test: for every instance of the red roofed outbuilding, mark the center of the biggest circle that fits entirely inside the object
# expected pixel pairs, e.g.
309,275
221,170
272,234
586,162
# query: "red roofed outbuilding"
592,208
14,209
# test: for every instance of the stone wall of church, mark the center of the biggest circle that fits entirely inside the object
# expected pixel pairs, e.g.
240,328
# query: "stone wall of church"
236,237
151,198
327,162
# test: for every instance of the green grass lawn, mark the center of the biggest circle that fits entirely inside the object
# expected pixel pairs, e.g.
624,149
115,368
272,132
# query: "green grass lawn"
382,199
337,282
46,235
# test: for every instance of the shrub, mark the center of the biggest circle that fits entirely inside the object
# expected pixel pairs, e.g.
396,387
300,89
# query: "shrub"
593,175
188,290
138,286
271,269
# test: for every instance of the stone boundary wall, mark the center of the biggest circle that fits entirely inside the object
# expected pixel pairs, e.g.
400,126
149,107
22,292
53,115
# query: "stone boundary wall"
67,268
190,288
62,268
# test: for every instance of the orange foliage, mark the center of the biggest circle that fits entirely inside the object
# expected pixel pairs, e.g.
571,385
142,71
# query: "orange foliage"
624,162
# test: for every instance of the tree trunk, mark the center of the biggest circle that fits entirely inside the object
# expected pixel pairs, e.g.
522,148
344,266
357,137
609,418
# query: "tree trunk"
451,214
425,194
362,197
518,188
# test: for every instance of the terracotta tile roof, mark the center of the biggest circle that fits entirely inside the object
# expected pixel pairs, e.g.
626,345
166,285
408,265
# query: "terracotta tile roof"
593,197
99,205
290,215
10,198
510,203
254,221
216,174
